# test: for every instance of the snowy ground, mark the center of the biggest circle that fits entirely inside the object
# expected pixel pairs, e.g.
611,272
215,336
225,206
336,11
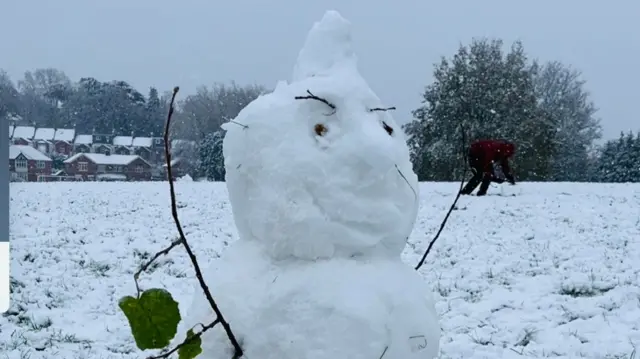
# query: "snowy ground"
553,271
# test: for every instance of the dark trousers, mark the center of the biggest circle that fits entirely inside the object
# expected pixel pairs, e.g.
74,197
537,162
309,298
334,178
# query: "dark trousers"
479,178
477,162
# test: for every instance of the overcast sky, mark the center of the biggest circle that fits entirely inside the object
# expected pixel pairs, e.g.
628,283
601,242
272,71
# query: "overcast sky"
164,43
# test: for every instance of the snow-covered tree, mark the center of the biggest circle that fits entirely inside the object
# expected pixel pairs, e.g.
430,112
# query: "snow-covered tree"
488,94
211,159
619,160
565,104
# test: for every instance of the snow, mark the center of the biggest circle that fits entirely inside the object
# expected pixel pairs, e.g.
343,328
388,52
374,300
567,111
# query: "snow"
353,187
142,141
112,176
182,144
83,140
551,271
27,151
102,159
25,132
46,134
327,47
65,134
123,141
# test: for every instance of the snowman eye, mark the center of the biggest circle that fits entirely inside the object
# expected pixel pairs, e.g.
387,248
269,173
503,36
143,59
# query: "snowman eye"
387,128
320,129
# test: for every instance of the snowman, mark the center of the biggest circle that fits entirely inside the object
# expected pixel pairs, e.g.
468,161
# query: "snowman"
324,198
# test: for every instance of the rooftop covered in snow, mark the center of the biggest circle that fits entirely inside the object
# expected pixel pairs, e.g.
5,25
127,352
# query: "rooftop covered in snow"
101,159
65,134
83,140
27,151
45,134
25,132
142,142
123,141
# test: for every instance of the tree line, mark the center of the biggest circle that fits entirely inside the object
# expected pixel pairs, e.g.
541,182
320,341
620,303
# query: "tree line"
485,92
482,91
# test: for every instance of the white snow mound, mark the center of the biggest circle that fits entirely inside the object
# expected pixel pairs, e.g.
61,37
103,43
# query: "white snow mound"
350,191
330,309
324,198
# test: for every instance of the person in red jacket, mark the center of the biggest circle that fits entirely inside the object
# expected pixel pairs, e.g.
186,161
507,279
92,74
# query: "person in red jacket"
482,156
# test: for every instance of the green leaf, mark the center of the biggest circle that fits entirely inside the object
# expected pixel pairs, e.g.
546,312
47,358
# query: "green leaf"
192,349
153,318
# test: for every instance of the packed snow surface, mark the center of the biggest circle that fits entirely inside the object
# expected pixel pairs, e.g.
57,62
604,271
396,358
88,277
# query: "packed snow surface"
550,272
313,181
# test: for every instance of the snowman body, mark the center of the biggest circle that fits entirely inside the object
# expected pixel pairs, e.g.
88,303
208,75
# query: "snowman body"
324,198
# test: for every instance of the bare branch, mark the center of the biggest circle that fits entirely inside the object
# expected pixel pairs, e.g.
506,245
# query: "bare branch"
186,341
174,212
415,194
239,124
146,265
314,97
453,205
384,352
384,109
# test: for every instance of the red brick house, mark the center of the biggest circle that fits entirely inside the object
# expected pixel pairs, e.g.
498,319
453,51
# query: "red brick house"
63,141
107,167
28,164
22,142
63,147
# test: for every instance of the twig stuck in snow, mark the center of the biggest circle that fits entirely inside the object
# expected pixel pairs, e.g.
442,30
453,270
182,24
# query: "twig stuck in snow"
453,205
186,341
382,109
239,124
146,265
314,97
384,352
415,195
183,240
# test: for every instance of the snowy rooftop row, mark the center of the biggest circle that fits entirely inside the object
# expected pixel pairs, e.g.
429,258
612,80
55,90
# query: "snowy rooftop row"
70,136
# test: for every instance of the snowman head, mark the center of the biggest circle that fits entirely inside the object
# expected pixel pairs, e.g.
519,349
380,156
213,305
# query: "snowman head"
319,168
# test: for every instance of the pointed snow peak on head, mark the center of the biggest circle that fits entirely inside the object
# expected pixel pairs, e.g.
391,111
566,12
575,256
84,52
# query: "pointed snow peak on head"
326,49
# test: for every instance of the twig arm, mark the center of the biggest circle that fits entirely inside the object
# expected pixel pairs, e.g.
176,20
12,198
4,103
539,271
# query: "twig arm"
174,212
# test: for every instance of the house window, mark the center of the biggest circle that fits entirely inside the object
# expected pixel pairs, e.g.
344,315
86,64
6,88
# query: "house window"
83,166
23,176
118,168
21,163
158,141
40,164
139,169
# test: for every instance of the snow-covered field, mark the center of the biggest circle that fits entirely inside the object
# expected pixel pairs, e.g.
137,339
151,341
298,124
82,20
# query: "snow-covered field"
535,270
